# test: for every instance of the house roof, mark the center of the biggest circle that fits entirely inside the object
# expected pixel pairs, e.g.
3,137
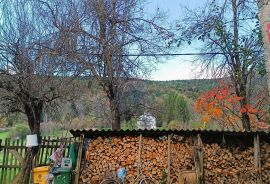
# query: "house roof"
88,133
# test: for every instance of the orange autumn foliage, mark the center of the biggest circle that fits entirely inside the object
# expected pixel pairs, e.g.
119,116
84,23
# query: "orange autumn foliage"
221,105
249,109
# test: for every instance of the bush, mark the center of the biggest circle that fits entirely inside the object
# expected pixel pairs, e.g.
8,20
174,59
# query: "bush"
19,131
174,125
131,124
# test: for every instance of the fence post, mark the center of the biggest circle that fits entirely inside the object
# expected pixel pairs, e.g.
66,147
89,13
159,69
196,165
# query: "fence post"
3,162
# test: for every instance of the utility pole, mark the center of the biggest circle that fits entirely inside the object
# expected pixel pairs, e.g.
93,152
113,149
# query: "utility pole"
264,16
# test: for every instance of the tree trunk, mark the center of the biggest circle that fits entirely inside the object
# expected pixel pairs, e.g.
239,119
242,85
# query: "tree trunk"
264,16
115,112
24,176
240,80
34,117
244,115
245,121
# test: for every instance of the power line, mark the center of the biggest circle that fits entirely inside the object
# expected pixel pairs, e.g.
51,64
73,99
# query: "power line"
180,54
173,54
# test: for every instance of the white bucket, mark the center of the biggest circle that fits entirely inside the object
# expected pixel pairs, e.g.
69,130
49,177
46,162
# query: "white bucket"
31,140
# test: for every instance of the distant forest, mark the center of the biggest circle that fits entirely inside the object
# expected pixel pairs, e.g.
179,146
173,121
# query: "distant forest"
174,104
167,101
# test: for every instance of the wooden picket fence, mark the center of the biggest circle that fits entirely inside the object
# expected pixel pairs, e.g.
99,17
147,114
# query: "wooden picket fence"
12,153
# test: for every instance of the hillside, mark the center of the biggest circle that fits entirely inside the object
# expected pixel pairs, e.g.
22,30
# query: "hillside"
189,88
91,109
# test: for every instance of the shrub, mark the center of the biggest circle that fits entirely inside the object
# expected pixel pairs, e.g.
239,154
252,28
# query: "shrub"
174,125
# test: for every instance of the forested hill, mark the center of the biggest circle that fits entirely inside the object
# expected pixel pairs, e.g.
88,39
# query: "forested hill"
161,98
190,88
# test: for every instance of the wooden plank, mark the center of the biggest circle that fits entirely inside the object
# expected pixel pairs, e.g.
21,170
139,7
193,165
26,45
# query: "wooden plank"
47,150
139,155
78,166
55,140
11,170
57,144
21,151
169,159
51,148
257,159
36,158
42,152
68,150
6,162
10,166
3,162
16,160
199,159
65,146
15,147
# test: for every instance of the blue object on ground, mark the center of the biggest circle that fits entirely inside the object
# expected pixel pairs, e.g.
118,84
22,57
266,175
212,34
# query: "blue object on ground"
121,173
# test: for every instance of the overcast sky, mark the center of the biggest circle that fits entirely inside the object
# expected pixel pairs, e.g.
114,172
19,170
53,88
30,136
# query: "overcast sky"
179,67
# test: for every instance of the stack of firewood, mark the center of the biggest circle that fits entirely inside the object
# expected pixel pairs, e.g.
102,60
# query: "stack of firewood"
181,156
229,165
154,157
106,155
265,161
109,154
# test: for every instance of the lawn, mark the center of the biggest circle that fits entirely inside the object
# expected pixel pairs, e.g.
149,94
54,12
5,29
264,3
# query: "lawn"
4,134
58,133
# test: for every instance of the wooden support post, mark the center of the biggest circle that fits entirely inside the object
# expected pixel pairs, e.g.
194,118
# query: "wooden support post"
257,159
139,155
198,158
169,160
79,159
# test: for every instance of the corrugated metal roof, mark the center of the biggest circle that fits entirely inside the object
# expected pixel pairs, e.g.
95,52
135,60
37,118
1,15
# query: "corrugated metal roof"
88,133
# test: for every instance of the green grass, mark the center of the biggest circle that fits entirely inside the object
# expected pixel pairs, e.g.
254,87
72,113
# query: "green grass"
58,133
4,135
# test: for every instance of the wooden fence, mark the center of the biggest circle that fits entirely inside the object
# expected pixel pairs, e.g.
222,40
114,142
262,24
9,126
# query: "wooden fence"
12,153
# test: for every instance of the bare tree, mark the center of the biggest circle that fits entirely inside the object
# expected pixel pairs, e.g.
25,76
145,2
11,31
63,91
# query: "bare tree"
32,74
227,30
102,35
